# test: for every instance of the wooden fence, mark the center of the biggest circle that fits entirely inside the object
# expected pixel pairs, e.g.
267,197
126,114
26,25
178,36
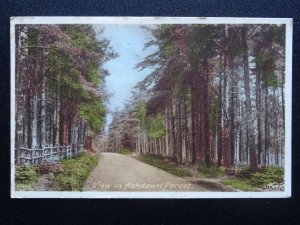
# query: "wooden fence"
48,153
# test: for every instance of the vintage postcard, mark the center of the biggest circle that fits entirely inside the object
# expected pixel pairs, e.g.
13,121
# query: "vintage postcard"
151,107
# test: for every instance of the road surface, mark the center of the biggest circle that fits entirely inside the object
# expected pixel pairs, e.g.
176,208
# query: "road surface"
116,172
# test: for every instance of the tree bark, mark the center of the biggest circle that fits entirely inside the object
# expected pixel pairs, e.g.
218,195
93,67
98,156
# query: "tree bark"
206,108
258,116
249,112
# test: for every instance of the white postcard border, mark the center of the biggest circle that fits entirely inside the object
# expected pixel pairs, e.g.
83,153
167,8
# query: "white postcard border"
159,20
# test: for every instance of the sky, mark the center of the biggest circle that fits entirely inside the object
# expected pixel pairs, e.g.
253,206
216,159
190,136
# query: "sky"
128,41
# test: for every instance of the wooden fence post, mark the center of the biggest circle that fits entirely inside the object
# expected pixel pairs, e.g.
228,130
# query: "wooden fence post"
31,156
68,151
51,153
43,153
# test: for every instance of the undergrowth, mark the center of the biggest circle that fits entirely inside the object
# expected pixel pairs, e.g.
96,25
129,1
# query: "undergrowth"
26,178
251,181
125,151
76,171
262,177
240,184
158,161
210,172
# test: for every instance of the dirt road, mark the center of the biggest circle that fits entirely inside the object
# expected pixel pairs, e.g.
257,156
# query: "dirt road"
116,172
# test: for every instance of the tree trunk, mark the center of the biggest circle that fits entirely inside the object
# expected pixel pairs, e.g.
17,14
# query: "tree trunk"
220,123
258,116
206,108
249,112
193,120
266,125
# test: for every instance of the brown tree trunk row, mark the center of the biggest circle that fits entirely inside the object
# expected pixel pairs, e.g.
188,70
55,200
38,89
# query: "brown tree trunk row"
228,120
43,116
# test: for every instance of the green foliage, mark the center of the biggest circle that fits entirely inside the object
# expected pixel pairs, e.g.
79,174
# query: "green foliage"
93,112
170,50
244,172
93,74
141,114
166,42
240,184
63,74
267,176
26,174
82,36
265,62
125,151
76,171
154,125
172,168
26,177
200,43
262,177
65,77
210,172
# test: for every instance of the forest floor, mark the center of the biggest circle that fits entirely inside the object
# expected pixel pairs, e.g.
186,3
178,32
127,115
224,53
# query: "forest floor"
117,172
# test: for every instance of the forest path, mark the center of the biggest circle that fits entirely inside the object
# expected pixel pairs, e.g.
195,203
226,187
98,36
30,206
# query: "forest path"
116,172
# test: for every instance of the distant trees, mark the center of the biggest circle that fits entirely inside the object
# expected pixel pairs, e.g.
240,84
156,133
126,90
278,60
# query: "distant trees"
59,98
215,94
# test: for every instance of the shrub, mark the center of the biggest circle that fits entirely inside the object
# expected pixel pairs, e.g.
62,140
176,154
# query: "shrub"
158,161
267,176
26,174
213,171
76,171
244,172
26,178
125,151
262,177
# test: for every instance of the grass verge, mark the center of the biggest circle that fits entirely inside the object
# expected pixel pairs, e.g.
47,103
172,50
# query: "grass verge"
247,180
26,178
159,162
240,184
125,151
76,171
210,172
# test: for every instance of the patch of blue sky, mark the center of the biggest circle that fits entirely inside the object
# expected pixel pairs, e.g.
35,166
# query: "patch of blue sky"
128,41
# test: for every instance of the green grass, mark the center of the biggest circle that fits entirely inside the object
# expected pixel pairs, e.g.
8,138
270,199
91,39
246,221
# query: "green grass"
125,151
247,180
76,171
263,176
159,162
26,178
210,172
240,184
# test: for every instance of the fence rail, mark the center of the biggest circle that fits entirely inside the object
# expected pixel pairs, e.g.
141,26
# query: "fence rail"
48,153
